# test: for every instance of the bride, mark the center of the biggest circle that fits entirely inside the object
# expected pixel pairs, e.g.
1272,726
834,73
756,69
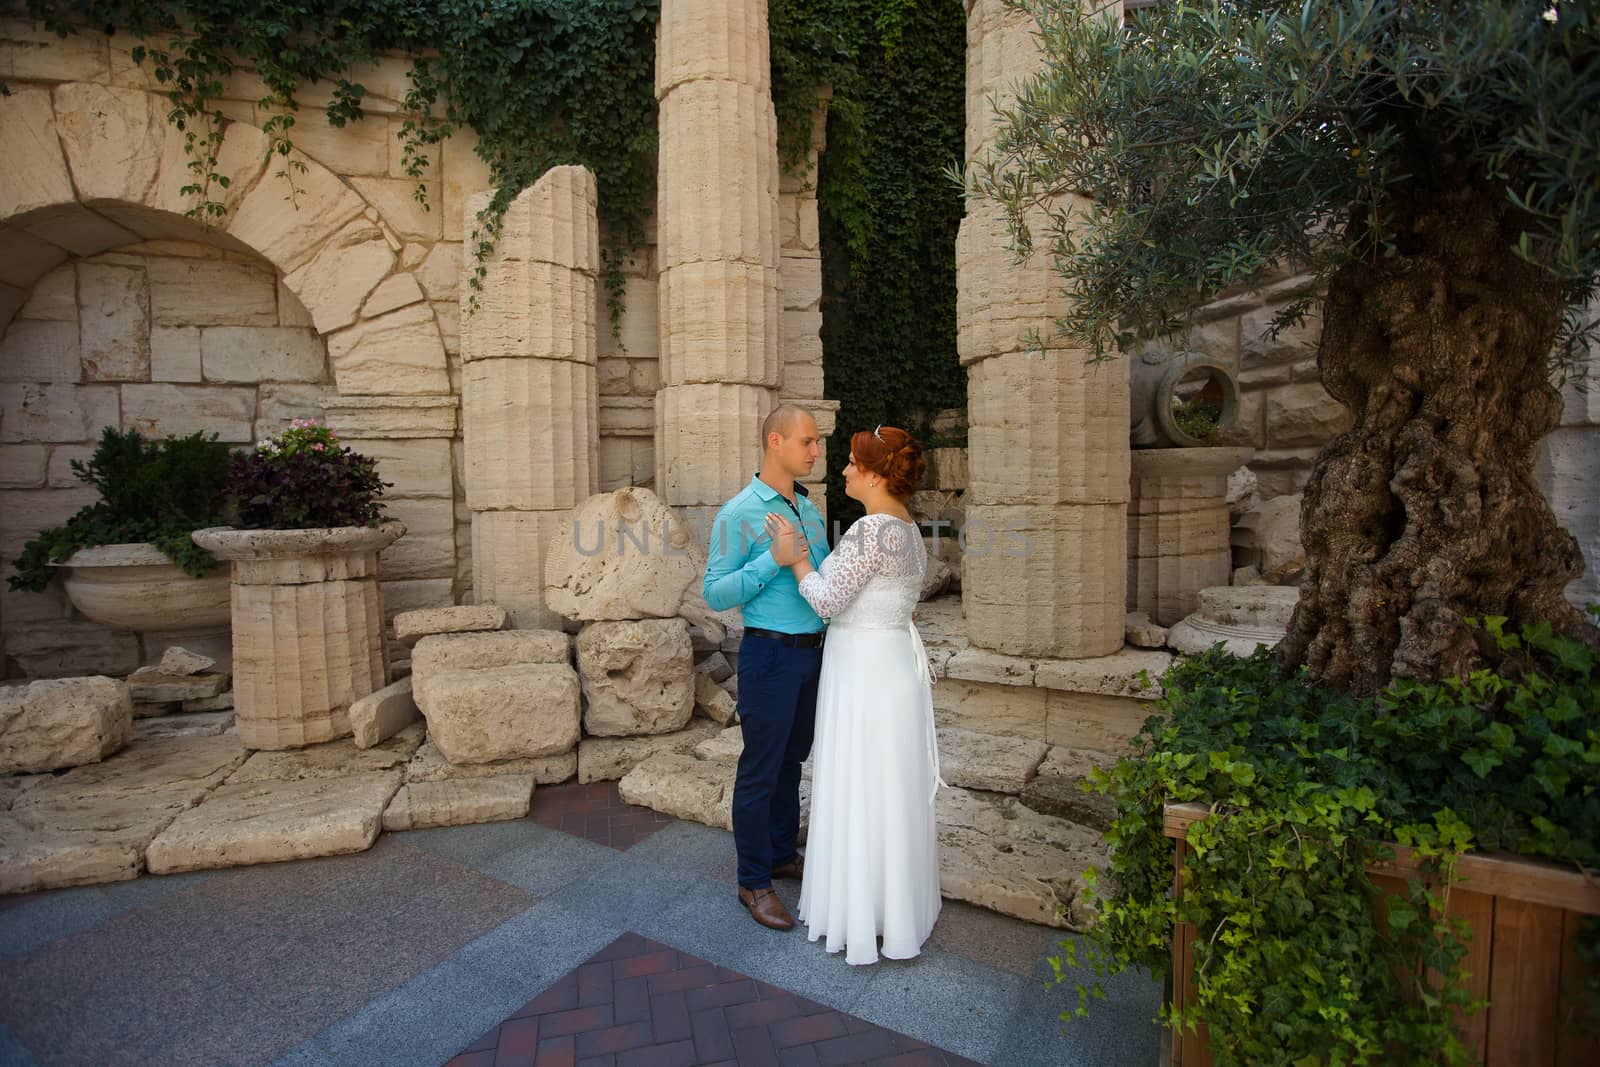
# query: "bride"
872,863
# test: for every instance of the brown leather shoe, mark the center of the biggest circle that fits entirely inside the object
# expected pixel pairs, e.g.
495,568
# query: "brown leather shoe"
766,908
795,868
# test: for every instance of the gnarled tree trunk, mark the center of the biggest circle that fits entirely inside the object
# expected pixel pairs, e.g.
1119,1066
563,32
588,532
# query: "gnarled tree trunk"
1426,511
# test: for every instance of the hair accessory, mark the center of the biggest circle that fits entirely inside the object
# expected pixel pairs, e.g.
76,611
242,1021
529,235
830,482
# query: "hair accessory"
878,435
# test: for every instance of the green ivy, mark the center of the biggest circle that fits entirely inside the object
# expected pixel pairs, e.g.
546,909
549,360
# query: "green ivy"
155,491
1308,786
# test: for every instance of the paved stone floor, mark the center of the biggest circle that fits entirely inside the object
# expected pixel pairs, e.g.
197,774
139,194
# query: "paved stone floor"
589,932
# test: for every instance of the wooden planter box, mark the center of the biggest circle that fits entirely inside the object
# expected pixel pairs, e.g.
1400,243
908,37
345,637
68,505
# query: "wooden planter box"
1524,917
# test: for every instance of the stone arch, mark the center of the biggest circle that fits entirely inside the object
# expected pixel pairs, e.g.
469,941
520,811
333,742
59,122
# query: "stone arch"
91,167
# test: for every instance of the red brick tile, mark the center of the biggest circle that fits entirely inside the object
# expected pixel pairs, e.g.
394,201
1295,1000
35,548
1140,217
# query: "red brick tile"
625,947
557,1052
607,1060
670,1017
614,1039
798,1056
630,1001
562,996
473,1059
488,1041
519,1039
807,1029
711,1038
753,1047
855,1048
721,995
576,1021
691,978
594,984
920,1058
760,1012
677,1054
648,963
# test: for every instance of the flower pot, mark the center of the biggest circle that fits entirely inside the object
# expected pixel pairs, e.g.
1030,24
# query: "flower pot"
1524,916
134,587
307,628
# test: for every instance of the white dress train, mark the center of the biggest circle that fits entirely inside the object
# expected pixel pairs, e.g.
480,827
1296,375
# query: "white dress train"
872,854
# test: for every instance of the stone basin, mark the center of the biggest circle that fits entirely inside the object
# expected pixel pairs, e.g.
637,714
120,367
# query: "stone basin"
134,587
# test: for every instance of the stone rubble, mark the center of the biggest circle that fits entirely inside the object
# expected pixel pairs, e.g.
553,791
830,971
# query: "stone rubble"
62,722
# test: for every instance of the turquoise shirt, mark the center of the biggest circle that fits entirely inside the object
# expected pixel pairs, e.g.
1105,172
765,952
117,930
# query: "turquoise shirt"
741,573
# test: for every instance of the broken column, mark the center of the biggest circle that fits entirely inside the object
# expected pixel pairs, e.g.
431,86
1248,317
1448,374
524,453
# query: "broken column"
529,400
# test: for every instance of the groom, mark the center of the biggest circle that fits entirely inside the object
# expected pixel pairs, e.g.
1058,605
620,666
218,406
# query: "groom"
780,656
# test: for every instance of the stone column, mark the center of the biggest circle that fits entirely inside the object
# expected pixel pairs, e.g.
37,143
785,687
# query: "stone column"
1045,540
1178,535
717,234
1568,472
528,391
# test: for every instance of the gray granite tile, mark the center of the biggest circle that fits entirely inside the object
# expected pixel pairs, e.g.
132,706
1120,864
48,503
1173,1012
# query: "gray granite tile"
478,844
548,860
309,1054
34,924
1119,1031
528,952
14,1053
943,999
685,846
424,1022
989,938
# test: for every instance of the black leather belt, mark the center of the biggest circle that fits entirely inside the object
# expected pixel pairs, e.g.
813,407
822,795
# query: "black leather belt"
792,640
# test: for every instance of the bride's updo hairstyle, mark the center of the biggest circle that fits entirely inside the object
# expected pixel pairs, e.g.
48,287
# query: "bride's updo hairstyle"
893,455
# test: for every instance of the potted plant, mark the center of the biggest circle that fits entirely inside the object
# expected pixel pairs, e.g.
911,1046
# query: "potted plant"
127,560
307,610
1403,878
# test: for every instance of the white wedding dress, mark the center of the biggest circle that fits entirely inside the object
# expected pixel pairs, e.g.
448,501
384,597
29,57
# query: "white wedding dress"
872,856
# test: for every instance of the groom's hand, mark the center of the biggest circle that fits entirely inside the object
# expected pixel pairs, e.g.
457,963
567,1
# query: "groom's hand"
788,547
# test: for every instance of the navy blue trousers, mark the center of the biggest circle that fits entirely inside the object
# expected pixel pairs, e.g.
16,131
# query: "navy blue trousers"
778,713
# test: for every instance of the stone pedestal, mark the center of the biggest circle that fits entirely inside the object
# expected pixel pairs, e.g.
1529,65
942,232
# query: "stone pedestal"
307,628
1178,527
1239,616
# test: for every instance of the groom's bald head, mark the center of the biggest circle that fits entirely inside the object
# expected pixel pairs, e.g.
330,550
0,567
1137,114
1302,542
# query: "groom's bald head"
785,420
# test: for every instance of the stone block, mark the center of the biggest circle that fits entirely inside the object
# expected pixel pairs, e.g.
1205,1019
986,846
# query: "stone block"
22,466
398,353
509,553
28,132
713,702
638,335
333,759
531,309
65,722
53,297
66,648
1299,415
990,708
398,206
1047,428
211,292
707,440
251,354
982,665
530,435
366,418
720,323
265,822
638,677
337,279
1268,535
290,233
1000,855
158,410
28,511
428,550
1017,561
1058,788
622,555
37,351
482,650
419,805
1094,721
159,686
476,715
683,787
974,760
395,291
1258,346
717,178
412,626
429,765
198,724
800,279
610,758
175,354
113,323
380,715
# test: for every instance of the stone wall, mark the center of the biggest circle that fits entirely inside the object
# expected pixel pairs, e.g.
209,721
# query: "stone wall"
339,298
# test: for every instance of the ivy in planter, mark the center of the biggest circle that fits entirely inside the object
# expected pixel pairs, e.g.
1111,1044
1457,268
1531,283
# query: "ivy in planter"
303,479
155,491
1311,784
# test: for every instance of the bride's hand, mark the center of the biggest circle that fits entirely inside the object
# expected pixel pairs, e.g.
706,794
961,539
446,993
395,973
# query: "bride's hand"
788,547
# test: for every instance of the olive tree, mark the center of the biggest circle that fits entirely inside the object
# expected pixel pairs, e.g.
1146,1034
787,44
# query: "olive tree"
1436,163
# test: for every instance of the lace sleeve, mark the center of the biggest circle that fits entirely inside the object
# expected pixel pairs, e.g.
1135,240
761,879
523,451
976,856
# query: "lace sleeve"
852,564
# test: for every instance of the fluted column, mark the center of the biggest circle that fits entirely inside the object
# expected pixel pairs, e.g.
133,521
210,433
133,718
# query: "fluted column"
717,233
1045,540
528,392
